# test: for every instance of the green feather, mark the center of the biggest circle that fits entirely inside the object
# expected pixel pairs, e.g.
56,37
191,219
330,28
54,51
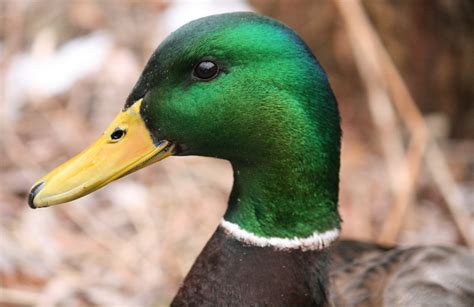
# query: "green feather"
270,112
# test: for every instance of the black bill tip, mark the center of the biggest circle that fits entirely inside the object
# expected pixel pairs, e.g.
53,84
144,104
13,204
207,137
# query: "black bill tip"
33,192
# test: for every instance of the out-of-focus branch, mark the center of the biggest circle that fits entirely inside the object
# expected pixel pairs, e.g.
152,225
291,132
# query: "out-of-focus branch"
368,59
383,114
443,178
18,297
383,81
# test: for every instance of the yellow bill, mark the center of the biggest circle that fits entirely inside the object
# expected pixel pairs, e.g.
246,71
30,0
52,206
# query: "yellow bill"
124,147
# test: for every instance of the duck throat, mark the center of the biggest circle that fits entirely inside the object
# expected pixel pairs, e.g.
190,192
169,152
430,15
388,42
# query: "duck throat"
288,205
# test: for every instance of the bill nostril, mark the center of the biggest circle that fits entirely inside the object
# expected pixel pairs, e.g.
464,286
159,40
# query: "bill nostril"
33,192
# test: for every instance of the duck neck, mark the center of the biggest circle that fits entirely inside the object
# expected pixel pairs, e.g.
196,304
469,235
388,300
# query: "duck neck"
291,199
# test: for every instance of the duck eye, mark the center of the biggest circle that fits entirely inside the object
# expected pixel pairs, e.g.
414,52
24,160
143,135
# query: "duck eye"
206,70
117,134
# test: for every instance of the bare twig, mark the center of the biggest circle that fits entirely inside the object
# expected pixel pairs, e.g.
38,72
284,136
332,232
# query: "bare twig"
369,59
444,180
18,297
374,62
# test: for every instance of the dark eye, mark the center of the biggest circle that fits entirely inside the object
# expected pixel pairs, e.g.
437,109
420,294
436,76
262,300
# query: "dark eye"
206,70
117,134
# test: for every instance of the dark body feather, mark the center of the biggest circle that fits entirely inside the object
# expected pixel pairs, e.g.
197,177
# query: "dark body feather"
231,273
350,273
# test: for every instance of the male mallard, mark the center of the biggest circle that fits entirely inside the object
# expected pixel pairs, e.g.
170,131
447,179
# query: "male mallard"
247,89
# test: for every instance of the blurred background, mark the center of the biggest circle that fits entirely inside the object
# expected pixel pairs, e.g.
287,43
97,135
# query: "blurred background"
402,72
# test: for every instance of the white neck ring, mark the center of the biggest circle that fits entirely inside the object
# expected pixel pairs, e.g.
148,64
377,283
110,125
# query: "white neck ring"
316,241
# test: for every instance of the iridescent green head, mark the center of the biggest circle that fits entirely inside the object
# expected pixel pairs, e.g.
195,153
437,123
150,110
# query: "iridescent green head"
246,88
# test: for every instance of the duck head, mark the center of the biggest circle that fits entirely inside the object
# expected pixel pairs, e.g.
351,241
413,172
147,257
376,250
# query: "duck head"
239,87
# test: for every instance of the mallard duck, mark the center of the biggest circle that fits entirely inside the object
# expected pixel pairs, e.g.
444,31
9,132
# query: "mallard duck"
247,89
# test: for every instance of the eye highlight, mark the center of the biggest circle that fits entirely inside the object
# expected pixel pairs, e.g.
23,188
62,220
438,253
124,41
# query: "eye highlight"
206,70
